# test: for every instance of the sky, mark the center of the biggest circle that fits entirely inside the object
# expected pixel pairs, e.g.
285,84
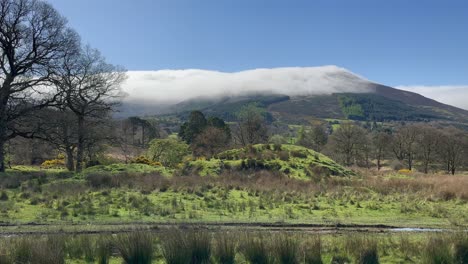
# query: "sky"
401,43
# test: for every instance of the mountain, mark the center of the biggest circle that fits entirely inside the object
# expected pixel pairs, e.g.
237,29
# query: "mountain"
292,95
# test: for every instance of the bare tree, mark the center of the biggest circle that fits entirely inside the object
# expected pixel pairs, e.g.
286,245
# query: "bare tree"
33,40
91,89
427,144
346,140
315,138
380,142
210,141
251,128
404,144
452,147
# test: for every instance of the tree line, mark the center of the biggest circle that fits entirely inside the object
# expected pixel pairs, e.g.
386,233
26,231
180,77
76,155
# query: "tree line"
425,146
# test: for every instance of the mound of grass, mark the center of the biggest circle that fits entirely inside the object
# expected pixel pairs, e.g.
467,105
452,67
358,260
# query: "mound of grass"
294,161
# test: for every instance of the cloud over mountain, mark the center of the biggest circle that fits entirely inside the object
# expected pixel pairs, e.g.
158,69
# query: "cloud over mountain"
178,85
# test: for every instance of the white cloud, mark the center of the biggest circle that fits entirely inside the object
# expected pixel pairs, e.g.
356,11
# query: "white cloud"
178,85
456,95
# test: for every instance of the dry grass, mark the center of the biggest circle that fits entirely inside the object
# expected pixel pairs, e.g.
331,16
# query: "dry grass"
445,187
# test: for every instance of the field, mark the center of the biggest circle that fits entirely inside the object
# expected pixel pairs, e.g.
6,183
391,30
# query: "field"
257,205
137,193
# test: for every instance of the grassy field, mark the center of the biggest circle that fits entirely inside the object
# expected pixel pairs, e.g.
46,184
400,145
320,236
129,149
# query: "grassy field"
261,204
100,196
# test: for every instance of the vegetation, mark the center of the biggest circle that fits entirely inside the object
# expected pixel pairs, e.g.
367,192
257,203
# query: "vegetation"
190,246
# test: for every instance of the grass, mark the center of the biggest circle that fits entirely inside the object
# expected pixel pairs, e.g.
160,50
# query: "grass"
202,246
136,247
245,196
312,250
225,247
286,249
256,250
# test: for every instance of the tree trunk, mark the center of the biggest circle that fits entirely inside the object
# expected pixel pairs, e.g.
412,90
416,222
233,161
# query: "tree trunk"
2,155
410,161
80,146
70,161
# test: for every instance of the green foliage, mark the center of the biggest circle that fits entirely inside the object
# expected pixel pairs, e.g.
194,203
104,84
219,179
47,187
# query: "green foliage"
193,127
378,108
350,108
277,140
170,152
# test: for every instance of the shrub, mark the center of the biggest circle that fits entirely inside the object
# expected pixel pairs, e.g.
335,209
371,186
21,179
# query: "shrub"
145,160
136,247
54,163
299,154
98,180
3,196
283,155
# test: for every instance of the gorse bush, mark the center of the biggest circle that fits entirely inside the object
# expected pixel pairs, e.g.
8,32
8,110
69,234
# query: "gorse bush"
135,247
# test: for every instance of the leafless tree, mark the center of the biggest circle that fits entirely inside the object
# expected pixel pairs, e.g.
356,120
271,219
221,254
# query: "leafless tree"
251,128
427,142
452,148
315,138
210,141
380,142
90,89
346,140
404,144
33,40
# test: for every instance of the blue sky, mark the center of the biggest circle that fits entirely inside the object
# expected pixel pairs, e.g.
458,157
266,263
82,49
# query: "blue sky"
398,42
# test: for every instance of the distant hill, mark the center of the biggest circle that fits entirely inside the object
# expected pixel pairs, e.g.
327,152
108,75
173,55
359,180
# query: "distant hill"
384,104
293,95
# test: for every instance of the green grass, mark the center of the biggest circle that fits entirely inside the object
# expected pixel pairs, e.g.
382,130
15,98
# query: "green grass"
128,168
